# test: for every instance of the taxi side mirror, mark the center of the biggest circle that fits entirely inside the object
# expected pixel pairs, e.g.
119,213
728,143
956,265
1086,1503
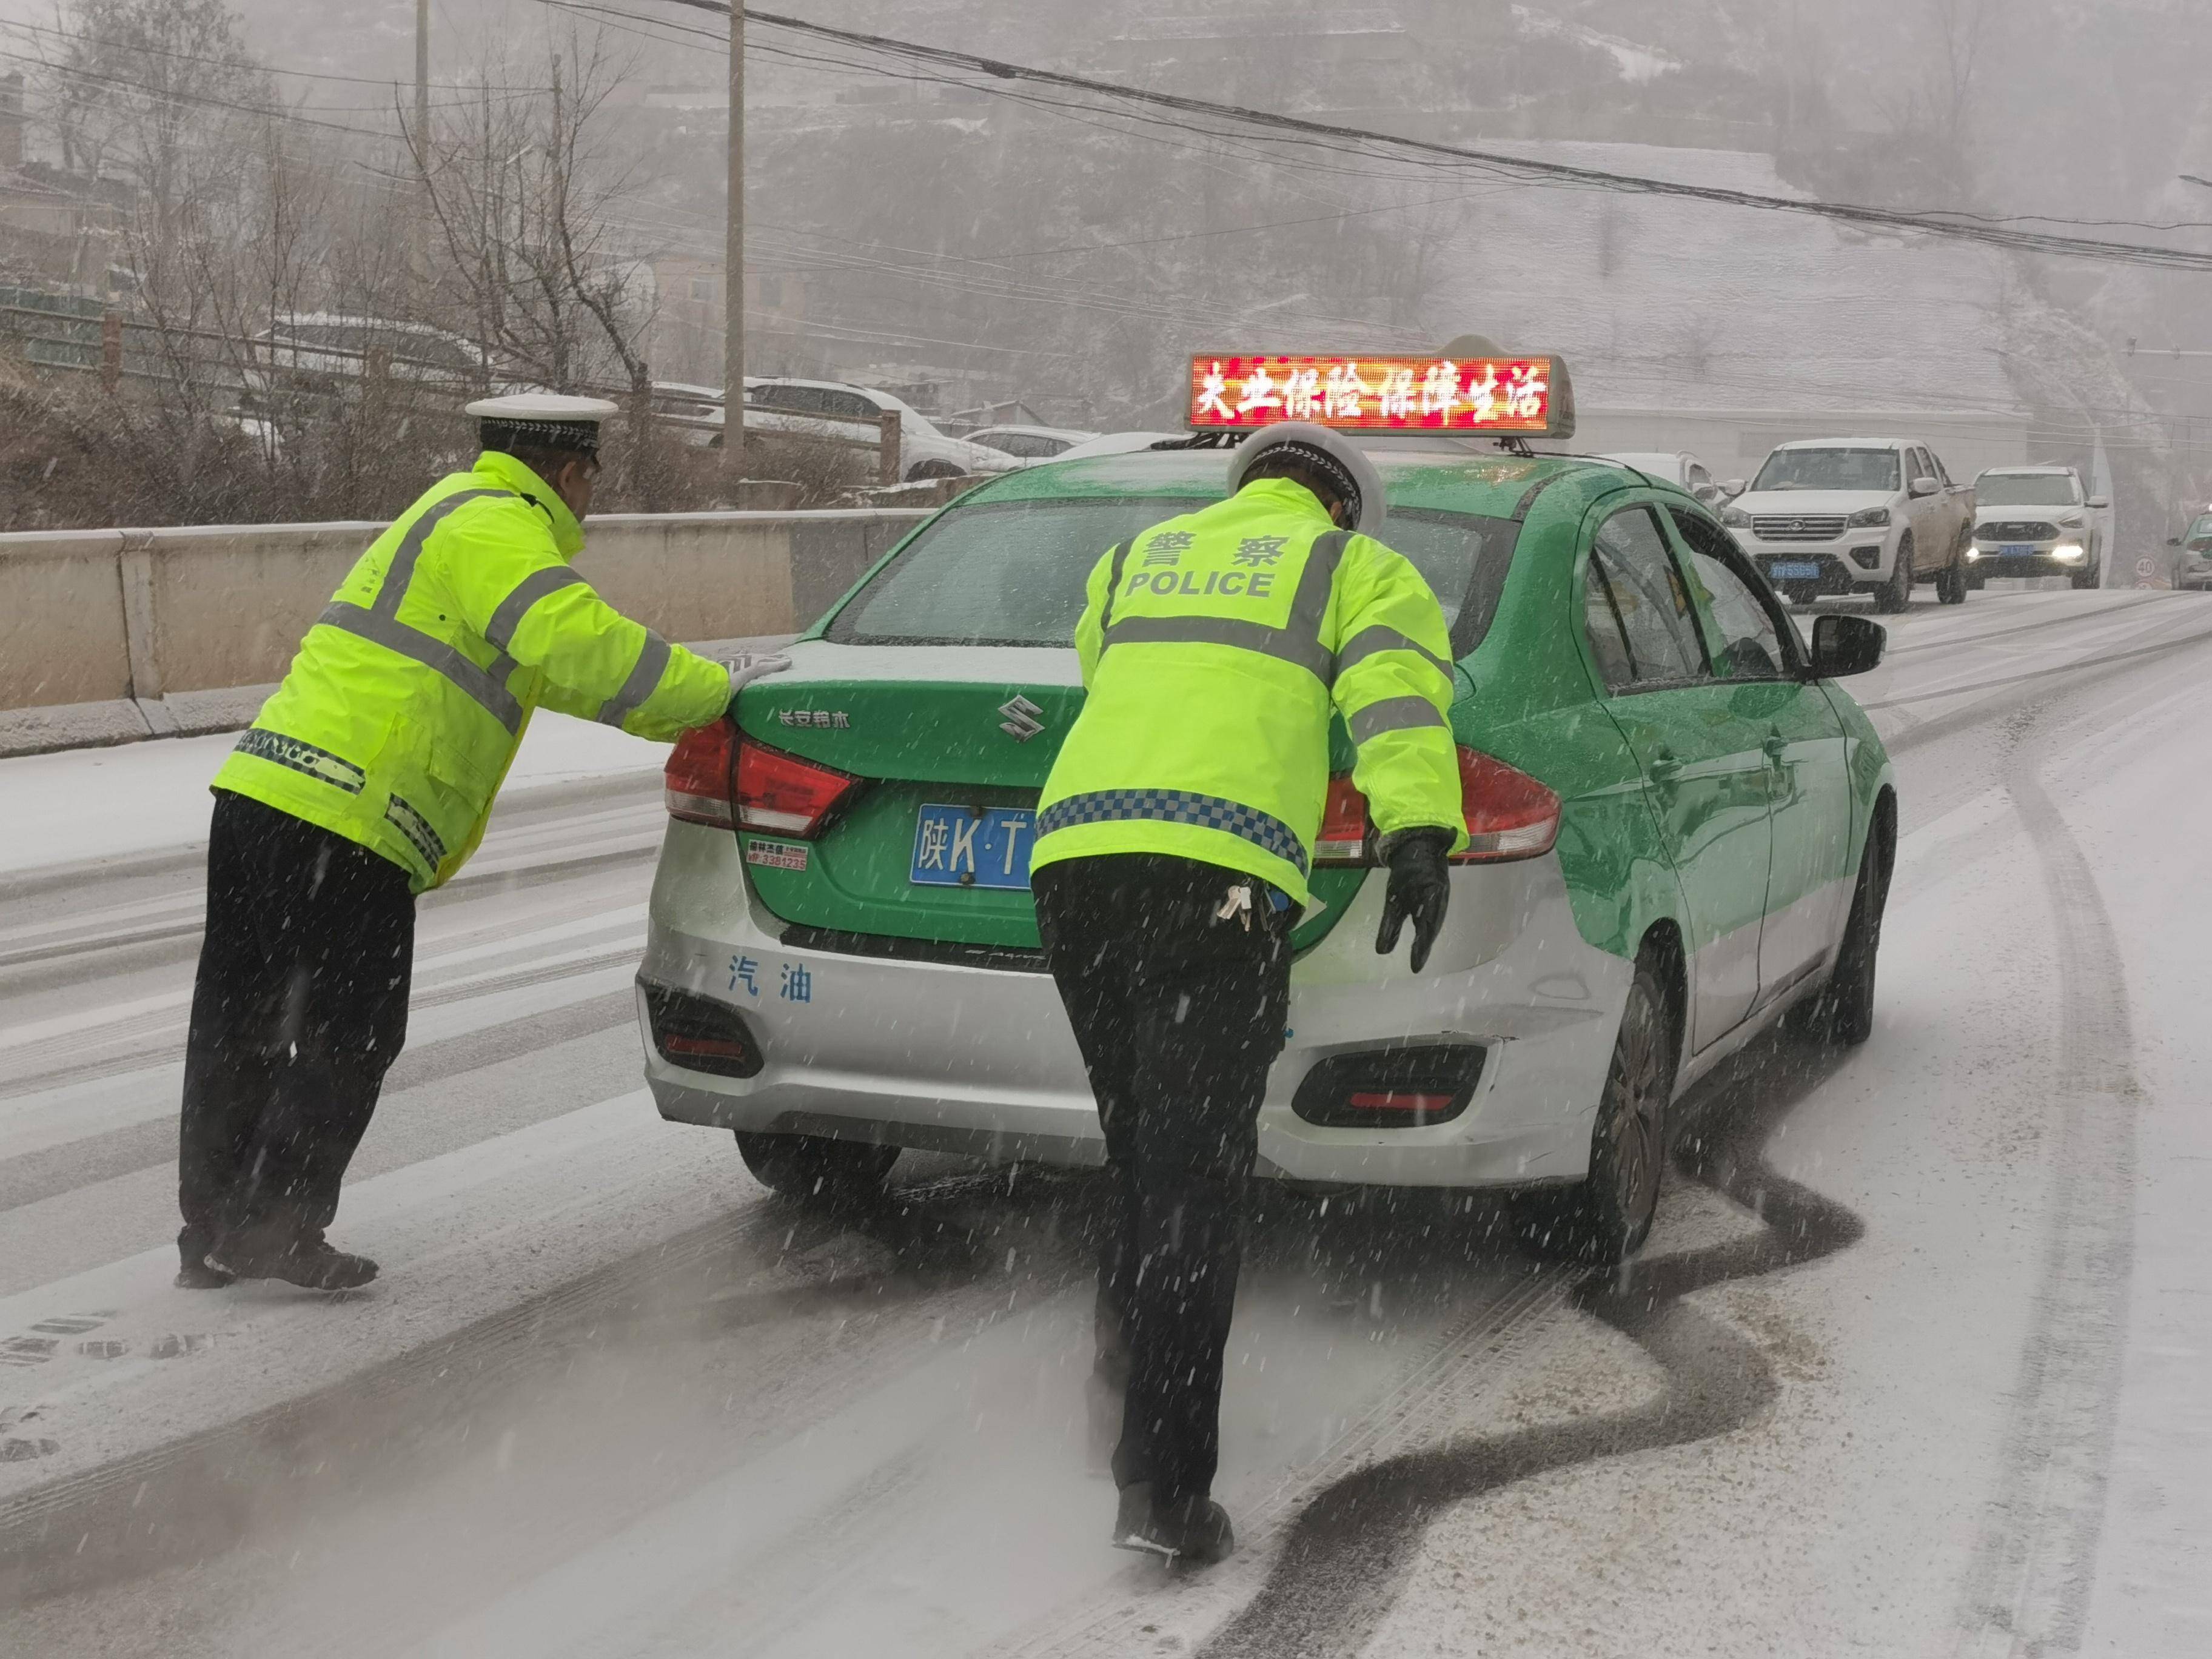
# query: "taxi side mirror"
1844,646
2098,503
1731,487
2173,541
1925,486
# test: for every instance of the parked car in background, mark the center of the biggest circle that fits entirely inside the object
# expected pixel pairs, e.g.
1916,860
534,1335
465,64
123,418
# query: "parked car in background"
1029,443
1856,515
832,408
1682,469
1118,443
322,353
2193,568
694,411
2037,521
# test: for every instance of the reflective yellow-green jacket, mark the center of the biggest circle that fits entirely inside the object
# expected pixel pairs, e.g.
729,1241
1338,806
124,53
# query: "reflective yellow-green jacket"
405,703
1213,647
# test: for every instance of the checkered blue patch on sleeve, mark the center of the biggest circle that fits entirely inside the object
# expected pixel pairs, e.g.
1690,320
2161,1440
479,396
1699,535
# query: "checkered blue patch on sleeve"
1264,831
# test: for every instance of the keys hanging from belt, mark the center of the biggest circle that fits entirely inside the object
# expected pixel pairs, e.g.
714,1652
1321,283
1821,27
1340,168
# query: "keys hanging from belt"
1238,905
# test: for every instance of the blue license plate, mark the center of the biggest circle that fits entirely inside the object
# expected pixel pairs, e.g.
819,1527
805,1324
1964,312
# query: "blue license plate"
954,847
2017,550
1794,570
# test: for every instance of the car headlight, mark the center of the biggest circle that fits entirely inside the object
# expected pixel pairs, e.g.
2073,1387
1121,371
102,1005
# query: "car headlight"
1871,518
2070,520
1735,518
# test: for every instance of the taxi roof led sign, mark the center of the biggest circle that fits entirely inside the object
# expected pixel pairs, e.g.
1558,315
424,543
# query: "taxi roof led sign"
1529,396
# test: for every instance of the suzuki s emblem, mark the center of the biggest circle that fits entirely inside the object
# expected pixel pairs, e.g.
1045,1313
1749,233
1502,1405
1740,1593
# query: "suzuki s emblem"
1021,723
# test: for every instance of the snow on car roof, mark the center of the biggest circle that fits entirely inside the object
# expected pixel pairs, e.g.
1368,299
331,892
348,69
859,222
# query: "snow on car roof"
1849,443
1448,480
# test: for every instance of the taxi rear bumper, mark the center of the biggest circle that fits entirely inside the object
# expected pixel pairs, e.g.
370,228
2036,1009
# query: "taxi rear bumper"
942,1056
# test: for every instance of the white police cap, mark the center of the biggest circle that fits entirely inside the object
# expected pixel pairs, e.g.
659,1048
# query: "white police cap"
1332,454
548,419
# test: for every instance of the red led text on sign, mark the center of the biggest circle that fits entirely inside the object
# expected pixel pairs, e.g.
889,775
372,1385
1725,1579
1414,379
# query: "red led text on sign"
1374,394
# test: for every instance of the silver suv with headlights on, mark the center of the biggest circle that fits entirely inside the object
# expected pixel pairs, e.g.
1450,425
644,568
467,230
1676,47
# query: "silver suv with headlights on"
2193,569
2037,521
1855,515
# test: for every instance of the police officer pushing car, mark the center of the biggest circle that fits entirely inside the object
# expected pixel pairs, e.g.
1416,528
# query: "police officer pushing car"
366,780
1174,837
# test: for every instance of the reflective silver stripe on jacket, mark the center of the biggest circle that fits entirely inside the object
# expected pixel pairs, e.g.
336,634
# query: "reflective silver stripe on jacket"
416,646
1113,586
652,664
1282,643
402,572
526,593
1370,642
1393,714
1298,641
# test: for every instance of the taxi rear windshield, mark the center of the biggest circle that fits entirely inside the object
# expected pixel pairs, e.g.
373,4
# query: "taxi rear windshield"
1013,573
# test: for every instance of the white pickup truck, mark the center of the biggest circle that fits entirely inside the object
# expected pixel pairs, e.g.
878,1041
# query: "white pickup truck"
1856,515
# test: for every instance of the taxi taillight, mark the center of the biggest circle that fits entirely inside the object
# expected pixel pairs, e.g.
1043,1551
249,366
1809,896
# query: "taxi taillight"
1509,816
1343,837
766,790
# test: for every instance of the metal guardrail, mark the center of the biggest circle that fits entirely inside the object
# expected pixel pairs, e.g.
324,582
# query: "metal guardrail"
93,340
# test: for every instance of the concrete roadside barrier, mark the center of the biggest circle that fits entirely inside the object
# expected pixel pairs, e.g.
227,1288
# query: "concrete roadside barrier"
116,635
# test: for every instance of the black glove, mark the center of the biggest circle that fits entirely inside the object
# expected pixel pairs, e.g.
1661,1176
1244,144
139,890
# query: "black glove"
1420,888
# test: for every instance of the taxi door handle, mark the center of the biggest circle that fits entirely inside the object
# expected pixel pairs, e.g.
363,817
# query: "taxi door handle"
1666,766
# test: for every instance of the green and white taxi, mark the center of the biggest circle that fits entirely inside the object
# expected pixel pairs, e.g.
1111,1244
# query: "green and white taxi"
1681,831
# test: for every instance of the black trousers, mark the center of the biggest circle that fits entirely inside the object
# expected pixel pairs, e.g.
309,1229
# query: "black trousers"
1179,1014
299,1007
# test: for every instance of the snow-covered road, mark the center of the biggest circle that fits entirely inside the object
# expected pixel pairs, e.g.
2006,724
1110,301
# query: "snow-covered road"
1915,1365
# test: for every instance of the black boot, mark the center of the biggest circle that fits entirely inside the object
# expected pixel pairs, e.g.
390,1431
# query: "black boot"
193,1273
1186,1532
305,1258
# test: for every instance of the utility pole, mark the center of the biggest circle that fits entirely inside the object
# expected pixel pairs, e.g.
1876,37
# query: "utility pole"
420,242
733,272
422,71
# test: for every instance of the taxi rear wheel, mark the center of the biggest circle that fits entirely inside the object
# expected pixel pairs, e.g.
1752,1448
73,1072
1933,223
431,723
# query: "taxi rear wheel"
816,1169
1605,1219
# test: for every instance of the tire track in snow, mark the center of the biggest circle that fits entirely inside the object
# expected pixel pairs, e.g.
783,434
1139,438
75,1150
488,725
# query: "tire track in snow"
1345,1560
2027,1591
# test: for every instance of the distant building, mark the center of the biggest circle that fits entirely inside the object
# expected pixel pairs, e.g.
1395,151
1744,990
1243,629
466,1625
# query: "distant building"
53,226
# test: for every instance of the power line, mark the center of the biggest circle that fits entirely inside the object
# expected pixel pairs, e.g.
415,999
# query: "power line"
247,63
1955,224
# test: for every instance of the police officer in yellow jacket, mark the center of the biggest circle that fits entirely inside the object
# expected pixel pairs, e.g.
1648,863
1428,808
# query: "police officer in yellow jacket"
366,780
1174,837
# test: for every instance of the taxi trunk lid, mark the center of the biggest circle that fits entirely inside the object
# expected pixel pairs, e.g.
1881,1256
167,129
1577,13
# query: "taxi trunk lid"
920,728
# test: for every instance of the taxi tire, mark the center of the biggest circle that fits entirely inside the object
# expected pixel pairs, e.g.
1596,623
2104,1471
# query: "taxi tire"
1604,1219
1841,1012
815,1168
1894,597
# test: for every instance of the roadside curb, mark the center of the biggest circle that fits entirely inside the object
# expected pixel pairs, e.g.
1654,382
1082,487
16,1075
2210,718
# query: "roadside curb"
127,720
